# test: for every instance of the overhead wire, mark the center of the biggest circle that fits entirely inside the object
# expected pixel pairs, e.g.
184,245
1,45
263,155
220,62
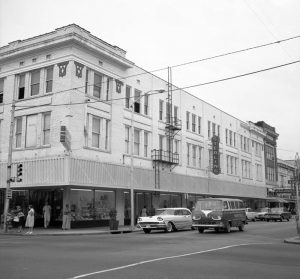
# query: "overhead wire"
177,89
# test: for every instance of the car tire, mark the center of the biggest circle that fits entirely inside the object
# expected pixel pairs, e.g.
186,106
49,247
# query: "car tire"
288,219
241,227
170,227
228,228
147,230
200,230
268,220
281,219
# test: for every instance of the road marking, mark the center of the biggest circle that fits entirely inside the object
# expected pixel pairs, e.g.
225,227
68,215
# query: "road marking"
161,259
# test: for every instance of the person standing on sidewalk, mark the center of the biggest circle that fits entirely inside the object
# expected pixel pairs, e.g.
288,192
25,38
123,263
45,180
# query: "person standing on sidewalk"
66,224
21,217
30,220
47,214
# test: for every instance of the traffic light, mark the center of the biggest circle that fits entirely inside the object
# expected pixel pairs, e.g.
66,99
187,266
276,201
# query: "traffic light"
63,131
19,172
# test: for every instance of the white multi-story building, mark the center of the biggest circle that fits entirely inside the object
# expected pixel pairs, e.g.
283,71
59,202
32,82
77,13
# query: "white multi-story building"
69,79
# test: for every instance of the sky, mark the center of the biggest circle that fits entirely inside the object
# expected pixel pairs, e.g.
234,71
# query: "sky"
163,33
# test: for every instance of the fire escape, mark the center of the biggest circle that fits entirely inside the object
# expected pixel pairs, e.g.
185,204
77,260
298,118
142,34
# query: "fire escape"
167,158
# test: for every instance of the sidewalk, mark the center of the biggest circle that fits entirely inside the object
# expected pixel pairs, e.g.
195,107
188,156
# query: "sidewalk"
82,231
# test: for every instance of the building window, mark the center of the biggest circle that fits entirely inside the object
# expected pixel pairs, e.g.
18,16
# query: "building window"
96,132
168,112
199,125
193,123
187,120
97,85
194,154
246,169
87,81
161,142
146,104
188,147
137,101
18,132
176,146
127,97
136,142
31,131
1,90
46,128
213,129
208,129
107,88
49,79
200,150
35,82
21,92
175,115
161,107
127,133
146,143
231,165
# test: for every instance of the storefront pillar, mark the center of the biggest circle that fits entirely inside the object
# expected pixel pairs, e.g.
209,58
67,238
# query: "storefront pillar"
67,196
120,206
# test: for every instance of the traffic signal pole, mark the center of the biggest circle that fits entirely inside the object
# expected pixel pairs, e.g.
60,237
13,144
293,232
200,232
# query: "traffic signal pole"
9,163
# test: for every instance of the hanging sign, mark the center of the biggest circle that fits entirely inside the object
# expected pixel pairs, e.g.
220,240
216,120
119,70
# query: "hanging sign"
216,155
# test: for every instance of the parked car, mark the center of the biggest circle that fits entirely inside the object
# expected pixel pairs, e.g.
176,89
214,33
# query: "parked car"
278,213
167,219
251,214
262,212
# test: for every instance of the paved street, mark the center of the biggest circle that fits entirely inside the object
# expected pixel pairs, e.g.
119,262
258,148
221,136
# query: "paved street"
259,252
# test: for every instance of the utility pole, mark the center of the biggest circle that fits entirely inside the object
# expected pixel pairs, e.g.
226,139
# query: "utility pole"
9,163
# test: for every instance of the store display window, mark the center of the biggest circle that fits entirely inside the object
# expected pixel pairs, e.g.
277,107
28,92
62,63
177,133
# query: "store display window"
91,204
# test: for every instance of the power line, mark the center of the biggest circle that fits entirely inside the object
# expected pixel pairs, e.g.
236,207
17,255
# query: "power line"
188,63
177,89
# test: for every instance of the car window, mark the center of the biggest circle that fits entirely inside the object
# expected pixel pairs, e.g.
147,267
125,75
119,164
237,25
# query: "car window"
178,212
225,205
186,212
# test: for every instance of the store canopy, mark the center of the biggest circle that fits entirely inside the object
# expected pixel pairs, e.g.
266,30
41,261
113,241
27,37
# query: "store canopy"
277,199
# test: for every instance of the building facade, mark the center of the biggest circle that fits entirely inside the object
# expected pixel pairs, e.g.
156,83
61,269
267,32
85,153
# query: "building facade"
90,126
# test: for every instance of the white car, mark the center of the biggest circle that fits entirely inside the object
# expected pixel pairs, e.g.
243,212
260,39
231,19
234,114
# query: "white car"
251,214
167,219
262,212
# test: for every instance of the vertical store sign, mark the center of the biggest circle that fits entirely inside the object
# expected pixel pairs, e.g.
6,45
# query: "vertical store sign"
216,155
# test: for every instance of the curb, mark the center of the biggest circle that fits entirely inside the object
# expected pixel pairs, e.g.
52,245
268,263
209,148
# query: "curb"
293,240
71,233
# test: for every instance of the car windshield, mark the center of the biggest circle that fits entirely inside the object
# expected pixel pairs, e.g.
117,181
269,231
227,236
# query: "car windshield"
276,209
265,209
209,205
164,212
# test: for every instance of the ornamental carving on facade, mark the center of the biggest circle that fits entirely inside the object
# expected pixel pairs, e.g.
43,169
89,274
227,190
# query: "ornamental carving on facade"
119,85
79,68
62,68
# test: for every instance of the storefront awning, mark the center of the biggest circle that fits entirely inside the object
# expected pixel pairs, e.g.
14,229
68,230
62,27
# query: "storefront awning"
277,199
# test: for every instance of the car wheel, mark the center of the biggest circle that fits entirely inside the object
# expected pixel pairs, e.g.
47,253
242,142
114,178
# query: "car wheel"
268,220
287,219
280,219
200,230
147,230
241,227
170,227
228,228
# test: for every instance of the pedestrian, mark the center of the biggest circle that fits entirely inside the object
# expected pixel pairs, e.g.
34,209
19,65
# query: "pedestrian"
21,217
30,219
47,214
144,212
66,224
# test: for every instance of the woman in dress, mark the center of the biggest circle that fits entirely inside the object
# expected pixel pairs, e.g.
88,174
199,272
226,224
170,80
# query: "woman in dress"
30,219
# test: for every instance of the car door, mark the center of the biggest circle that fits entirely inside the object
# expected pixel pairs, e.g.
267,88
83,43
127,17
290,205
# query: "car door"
187,219
178,219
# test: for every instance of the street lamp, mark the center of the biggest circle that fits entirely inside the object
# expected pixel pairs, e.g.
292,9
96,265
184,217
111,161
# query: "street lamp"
296,181
131,154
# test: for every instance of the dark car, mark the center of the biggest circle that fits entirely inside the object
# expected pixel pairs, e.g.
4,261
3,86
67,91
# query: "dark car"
278,213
